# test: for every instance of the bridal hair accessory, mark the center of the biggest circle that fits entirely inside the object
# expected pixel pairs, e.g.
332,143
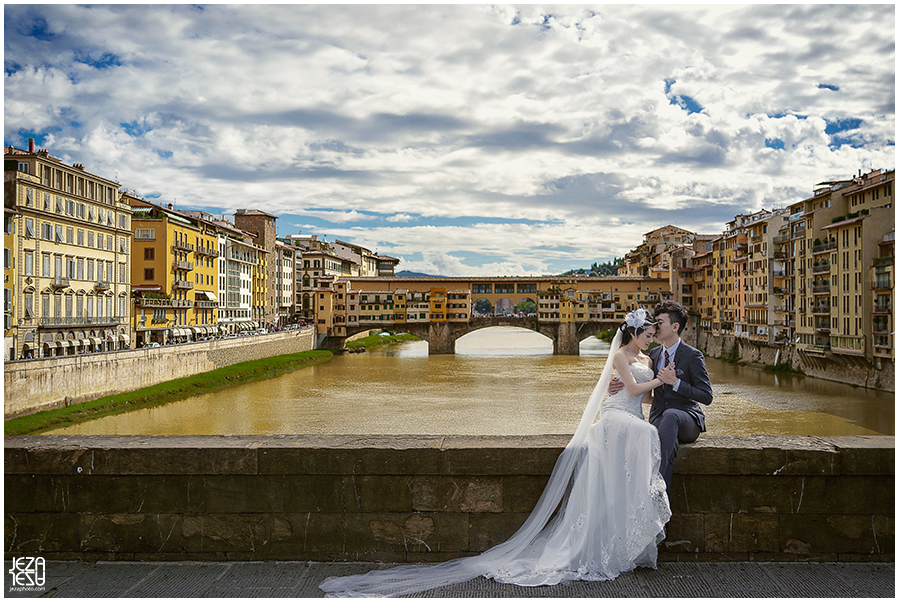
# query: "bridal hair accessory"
637,319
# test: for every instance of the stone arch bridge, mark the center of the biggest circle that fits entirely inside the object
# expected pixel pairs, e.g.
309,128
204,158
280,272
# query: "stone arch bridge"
442,336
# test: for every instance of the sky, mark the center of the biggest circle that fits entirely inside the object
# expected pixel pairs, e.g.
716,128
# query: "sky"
465,140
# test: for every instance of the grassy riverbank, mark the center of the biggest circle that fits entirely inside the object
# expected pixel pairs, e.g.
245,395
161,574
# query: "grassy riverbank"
374,341
164,393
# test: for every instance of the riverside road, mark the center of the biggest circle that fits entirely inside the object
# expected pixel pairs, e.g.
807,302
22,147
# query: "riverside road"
301,579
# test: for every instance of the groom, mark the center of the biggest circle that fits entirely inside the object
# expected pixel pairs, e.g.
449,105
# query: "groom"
675,411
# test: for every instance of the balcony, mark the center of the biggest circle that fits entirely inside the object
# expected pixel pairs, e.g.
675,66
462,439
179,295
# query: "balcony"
881,309
780,255
101,286
182,246
781,239
799,233
821,289
824,247
780,310
821,268
61,321
182,265
823,326
59,282
883,282
183,285
161,302
883,261
207,304
207,251
820,309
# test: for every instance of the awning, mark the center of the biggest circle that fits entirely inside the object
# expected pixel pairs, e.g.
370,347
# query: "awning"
49,344
84,342
208,295
124,338
26,346
63,343
94,340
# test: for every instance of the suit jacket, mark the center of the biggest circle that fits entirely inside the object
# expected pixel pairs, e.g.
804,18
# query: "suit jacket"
695,386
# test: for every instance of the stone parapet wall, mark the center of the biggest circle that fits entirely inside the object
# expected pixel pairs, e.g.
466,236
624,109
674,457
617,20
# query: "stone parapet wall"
422,498
33,385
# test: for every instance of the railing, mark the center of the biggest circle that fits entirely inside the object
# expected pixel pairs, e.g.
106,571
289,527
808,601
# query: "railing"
781,239
59,282
159,302
882,309
182,265
821,268
181,246
183,285
778,273
799,233
821,289
210,251
824,247
50,321
206,304
821,309
102,285
885,261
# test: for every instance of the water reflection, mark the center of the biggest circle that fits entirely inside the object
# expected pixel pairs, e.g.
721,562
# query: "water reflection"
402,390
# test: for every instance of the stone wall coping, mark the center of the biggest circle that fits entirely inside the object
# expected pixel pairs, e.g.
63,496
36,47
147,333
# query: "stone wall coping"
420,455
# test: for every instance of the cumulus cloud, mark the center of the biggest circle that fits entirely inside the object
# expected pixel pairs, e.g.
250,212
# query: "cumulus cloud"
538,138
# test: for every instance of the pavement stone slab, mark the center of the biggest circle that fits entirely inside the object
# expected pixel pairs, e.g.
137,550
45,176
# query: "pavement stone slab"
257,574
179,580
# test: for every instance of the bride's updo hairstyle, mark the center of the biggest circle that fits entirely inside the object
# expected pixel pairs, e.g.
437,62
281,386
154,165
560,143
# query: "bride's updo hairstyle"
636,322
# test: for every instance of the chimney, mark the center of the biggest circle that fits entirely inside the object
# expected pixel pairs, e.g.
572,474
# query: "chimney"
31,145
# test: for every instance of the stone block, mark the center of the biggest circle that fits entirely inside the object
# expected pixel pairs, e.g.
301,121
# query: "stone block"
489,529
126,494
389,532
505,455
244,494
130,532
768,494
706,493
752,533
383,493
685,534
847,495
19,493
201,460
457,494
825,534
21,456
730,455
329,461
40,532
522,492
865,455
225,532
320,494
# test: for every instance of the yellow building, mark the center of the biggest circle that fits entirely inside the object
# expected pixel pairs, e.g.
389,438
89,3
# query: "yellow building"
174,274
11,225
72,255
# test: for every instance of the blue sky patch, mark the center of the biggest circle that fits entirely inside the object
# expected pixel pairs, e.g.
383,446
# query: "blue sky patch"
104,61
774,143
135,129
39,30
682,100
828,87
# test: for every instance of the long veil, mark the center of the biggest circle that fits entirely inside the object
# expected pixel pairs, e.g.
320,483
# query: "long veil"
407,579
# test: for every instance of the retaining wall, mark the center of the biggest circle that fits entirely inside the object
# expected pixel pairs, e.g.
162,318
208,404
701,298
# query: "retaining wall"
422,498
40,384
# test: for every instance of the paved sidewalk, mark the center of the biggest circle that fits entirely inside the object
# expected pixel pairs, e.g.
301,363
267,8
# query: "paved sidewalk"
301,579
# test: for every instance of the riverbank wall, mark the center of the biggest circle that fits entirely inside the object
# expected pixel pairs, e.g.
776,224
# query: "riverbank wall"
851,370
42,384
422,498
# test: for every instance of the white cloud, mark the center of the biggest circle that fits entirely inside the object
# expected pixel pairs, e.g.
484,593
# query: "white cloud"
408,115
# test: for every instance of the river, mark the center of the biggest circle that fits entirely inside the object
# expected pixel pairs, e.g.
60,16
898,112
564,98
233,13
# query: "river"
501,381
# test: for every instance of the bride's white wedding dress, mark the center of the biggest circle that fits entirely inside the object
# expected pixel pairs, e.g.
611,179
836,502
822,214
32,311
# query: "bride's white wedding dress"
602,512
616,510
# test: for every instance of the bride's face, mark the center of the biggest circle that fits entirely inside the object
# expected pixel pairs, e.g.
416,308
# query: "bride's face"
645,338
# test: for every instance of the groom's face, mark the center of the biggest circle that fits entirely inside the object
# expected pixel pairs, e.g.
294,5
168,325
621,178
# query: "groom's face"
665,327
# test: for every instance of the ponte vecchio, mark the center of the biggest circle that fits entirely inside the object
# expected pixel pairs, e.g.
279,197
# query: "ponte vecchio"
440,310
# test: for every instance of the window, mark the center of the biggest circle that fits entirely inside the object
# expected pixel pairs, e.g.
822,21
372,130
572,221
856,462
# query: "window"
81,237
29,227
148,274
47,231
90,270
46,201
70,236
29,197
59,233
29,263
45,265
109,242
7,257
90,239
123,245
80,269
149,253
59,205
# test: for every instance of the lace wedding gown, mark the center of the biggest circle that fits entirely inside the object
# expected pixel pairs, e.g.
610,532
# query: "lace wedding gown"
616,509
602,512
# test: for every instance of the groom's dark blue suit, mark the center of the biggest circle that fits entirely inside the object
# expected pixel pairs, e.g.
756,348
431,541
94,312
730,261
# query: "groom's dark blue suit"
676,414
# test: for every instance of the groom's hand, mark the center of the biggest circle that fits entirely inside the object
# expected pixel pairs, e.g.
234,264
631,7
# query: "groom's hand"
667,374
615,386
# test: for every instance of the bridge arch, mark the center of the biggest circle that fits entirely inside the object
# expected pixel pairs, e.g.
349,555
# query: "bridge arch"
506,338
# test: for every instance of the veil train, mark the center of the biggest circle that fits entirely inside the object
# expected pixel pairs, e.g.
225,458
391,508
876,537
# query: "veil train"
408,579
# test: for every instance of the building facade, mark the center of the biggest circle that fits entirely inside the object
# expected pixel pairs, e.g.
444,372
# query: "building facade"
71,252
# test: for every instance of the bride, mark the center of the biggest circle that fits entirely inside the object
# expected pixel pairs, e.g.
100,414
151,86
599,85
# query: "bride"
606,491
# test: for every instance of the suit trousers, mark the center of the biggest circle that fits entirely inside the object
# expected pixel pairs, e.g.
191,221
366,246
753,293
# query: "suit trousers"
674,427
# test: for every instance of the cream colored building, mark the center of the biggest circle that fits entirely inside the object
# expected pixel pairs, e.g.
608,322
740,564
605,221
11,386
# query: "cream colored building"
72,253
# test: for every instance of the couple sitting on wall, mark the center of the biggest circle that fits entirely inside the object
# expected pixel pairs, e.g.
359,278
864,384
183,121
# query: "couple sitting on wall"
605,507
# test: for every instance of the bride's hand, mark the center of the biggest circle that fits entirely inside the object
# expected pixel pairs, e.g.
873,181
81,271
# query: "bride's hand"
667,375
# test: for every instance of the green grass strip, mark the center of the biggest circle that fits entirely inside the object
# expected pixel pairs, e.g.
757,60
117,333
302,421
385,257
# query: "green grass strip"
374,341
163,393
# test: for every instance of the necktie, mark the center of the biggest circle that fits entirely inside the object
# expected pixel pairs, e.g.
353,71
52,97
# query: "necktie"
666,357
